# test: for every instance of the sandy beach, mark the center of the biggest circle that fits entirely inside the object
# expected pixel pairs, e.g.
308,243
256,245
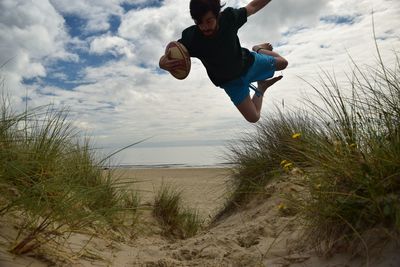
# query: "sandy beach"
201,188
258,235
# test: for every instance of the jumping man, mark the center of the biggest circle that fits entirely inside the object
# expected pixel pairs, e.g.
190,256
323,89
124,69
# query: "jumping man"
213,39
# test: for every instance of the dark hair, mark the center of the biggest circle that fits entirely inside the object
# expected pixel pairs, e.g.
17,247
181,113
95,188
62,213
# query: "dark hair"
198,8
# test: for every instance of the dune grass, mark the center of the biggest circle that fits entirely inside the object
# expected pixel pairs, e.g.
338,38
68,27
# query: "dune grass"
176,220
356,187
265,155
258,156
53,181
347,146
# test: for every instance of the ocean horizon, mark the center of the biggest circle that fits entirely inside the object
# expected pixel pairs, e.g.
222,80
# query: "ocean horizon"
204,156
171,166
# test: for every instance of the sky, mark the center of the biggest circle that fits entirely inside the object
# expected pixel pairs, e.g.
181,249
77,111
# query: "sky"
99,58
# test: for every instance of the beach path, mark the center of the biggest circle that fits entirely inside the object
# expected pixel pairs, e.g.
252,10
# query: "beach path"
203,189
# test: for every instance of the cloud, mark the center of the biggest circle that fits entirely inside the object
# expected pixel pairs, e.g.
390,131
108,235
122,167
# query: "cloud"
331,46
125,97
31,34
96,13
112,44
127,103
279,16
336,19
151,28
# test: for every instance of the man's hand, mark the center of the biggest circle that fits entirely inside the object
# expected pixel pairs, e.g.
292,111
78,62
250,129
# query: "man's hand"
168,64
255,6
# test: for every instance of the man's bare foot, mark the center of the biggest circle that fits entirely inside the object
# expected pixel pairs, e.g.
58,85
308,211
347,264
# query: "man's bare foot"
266,46
263,85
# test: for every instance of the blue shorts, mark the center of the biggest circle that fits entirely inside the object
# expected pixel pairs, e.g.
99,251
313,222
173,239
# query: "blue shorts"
262,69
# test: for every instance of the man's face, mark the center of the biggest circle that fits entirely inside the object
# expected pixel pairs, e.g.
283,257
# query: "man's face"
208,24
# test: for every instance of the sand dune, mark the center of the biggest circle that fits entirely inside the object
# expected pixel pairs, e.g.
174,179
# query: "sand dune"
257,235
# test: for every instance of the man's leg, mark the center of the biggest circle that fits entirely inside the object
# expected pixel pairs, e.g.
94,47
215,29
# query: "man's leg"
266,48
262,87
251,108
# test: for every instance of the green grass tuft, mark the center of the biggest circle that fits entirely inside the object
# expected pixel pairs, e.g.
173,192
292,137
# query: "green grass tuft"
176,220
356,184
258,157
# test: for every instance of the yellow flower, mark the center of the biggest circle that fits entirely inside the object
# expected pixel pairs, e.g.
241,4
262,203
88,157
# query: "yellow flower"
337,146
288,165
283,162
281,207
296,135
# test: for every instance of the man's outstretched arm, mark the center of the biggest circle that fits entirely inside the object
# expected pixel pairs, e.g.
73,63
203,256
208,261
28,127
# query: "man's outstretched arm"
256,5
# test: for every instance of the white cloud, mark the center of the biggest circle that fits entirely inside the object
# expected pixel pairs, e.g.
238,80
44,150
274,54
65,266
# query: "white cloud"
30,33
96,12
127,103
113,45
151,28
329,46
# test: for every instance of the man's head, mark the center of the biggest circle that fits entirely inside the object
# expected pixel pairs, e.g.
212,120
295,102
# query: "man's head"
205,14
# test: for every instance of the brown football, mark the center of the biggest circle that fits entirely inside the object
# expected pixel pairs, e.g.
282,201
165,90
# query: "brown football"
179,51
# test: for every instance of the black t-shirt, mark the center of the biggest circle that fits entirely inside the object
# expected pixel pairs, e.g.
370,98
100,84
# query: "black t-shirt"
221,55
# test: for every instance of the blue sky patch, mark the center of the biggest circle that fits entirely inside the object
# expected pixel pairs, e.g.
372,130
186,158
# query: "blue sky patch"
26,99
75,25
68,75
294,30
115,22
348,20
96,60
150,3
106,105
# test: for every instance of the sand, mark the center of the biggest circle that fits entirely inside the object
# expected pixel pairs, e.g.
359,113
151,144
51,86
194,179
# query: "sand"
202,189
261,234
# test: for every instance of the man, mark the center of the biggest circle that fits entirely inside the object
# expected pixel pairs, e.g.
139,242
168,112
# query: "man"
213,39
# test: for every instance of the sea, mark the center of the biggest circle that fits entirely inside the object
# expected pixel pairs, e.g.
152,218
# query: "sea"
203,156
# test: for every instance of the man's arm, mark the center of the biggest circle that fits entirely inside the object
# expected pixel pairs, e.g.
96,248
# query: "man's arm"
256,5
